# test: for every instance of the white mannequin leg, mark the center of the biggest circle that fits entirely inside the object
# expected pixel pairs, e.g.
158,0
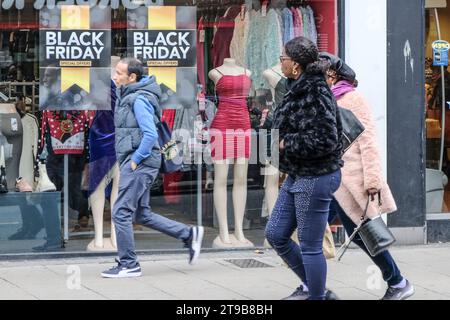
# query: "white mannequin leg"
98,207
97,200
240,198
114,193
271,191
272,177
220,201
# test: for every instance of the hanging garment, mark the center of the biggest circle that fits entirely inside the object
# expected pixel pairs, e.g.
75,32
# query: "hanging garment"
221,42
209,30
300,21
232,114
224,35
288,25
102,144
280,28
168,116
67,130
263,46
29,147
313,27
306,22
239,40
297,23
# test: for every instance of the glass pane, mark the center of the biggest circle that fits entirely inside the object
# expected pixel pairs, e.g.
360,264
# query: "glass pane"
437,120
30,222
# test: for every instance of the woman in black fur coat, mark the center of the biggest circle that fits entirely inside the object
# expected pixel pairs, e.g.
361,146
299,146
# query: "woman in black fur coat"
310,148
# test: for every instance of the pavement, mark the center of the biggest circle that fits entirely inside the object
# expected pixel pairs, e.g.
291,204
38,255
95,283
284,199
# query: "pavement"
214,277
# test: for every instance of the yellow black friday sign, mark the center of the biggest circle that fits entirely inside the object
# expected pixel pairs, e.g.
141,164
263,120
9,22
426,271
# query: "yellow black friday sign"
164,39
75,57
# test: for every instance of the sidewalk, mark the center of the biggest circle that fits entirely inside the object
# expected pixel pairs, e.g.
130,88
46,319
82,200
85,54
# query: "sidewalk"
213,278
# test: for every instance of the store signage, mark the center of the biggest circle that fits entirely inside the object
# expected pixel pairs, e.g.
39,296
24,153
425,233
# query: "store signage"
163,47
164,39
440,53
75,45
75,57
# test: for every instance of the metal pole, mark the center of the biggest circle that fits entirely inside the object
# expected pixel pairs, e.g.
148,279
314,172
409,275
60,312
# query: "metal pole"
199,188
441,159
66,197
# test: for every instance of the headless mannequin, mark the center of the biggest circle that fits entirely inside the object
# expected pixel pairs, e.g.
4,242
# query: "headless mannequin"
273,77
11,128
225,240
98,206
97,200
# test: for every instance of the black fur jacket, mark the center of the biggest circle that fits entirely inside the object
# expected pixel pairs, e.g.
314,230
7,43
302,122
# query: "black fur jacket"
309,122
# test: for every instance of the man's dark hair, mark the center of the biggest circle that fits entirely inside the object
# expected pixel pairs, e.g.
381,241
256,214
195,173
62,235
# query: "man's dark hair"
134,66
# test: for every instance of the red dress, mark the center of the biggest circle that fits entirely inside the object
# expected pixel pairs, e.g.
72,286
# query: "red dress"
230,130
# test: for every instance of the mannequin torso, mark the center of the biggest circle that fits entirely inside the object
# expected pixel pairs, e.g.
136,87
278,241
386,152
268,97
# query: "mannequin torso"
273,75
277,82
229,68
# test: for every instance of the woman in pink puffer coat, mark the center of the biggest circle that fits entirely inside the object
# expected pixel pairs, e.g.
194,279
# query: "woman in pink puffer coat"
362,175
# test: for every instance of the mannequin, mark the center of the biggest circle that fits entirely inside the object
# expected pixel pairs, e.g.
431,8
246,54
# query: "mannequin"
277,84
30,147
103,168
232,85
11,129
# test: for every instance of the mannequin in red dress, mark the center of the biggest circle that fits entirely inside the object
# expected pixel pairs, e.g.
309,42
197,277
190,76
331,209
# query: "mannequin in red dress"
230,143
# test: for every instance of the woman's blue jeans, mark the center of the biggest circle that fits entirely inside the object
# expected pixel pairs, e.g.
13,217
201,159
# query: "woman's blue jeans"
304,204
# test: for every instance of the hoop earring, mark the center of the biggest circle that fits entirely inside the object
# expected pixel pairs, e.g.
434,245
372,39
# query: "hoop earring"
294,72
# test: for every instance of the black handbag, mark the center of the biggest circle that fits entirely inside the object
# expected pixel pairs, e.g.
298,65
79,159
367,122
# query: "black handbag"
375,235
352,128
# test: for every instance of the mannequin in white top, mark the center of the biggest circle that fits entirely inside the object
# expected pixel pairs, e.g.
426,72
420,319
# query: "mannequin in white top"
273,76
97,200
225,240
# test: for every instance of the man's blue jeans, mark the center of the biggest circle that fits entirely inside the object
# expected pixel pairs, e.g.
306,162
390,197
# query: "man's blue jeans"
304,204
133,205
384,261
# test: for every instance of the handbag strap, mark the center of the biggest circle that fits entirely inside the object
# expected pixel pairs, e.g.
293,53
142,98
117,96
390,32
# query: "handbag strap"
370,198
345,246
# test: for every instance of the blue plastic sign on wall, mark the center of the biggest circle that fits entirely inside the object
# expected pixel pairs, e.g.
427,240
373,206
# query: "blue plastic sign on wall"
440,53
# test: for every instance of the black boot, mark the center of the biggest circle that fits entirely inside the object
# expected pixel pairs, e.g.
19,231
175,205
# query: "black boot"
3,184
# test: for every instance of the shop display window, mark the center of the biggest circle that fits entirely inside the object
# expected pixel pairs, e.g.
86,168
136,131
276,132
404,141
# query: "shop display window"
67,169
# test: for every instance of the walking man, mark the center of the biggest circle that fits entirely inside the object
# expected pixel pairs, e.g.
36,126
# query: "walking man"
138,153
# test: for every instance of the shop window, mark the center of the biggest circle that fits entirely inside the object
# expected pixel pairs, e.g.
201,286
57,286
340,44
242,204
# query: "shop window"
238,75
437,93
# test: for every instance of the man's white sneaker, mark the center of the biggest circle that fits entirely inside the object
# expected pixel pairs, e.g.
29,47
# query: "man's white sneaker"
195,243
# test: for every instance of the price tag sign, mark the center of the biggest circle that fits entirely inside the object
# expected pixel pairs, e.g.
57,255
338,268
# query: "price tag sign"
440,53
